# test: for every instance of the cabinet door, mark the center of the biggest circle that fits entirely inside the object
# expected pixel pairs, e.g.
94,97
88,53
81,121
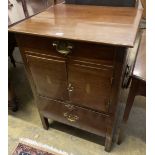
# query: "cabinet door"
49,76
90,86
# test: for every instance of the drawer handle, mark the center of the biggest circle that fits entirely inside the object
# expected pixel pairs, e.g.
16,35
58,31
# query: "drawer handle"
63,47
127,77
70,117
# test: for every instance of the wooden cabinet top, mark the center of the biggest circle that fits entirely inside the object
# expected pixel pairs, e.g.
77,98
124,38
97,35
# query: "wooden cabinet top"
140,65
99,24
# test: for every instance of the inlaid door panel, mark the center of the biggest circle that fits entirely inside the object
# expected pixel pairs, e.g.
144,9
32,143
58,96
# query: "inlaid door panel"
90,86
49,76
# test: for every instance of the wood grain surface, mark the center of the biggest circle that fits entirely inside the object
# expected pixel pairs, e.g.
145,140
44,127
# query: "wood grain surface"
100,24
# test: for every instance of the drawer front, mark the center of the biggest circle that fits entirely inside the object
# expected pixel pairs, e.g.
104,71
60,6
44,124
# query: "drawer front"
49,76
94,53
90,52
38,45
75,116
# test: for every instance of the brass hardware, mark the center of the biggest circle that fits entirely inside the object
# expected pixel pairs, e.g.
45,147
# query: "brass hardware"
65,114
71,117
63,47
69,106
70,87
127,71
127,77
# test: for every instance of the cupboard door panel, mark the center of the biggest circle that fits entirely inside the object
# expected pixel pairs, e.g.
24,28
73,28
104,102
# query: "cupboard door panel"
90,86
49,76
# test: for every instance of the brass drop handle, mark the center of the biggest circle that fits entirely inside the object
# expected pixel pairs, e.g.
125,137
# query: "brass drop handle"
127,71
127,77
71,117
63,47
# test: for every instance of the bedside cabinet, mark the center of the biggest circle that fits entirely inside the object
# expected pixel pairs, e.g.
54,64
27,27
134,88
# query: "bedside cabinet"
77,63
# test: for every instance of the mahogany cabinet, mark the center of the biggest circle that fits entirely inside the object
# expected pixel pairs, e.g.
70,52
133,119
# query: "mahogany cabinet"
77,74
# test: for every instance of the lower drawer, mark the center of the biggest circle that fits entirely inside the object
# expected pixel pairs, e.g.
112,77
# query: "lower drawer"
81,118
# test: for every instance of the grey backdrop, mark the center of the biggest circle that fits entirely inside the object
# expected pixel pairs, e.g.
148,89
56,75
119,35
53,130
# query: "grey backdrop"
103,2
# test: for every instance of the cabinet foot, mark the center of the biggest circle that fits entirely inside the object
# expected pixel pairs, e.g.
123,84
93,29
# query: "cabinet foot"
45,122
108,143
121,135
